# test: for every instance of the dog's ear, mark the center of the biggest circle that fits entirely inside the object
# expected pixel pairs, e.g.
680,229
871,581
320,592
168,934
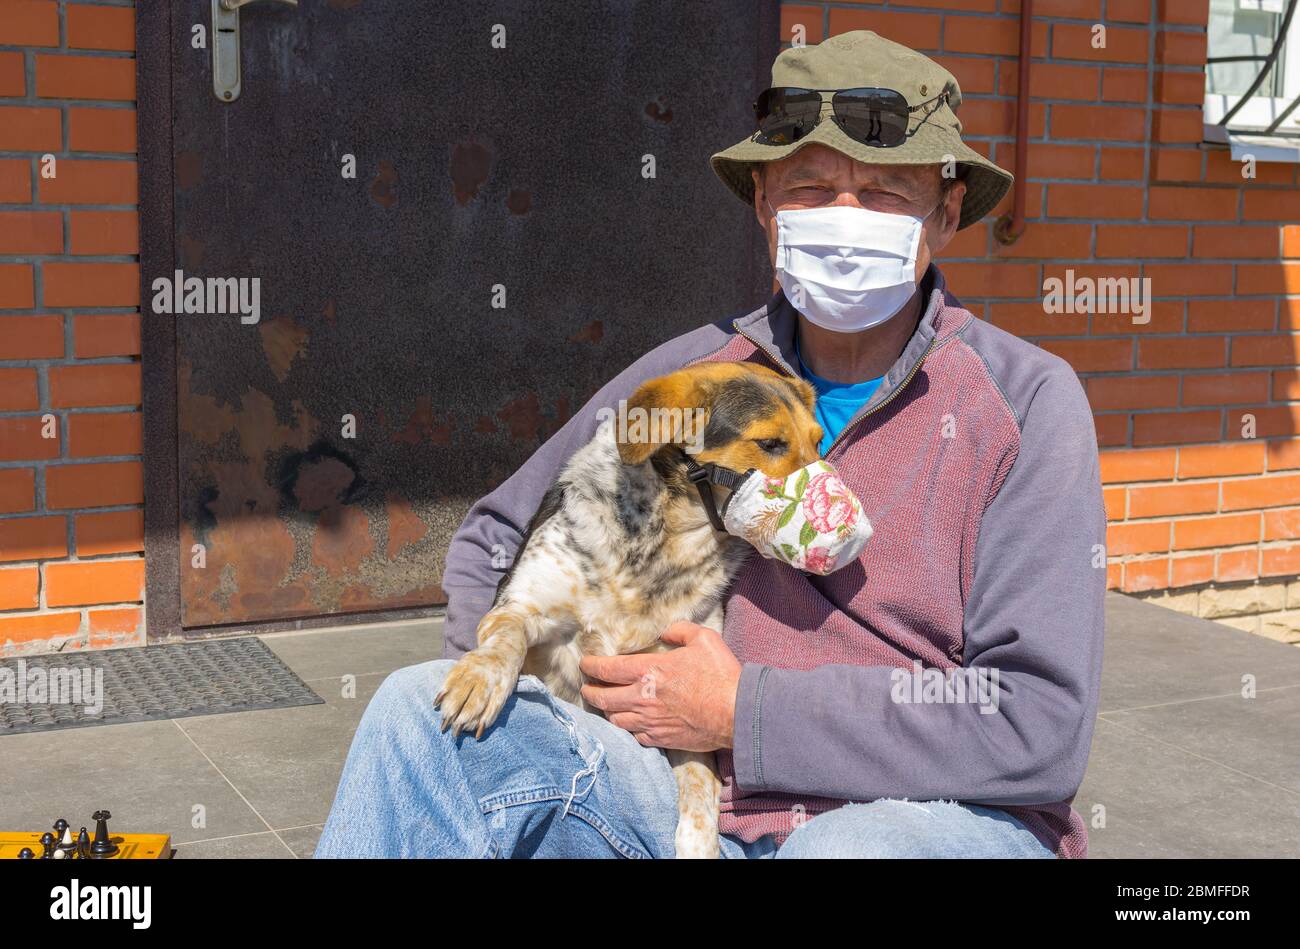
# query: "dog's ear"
807,394
668,410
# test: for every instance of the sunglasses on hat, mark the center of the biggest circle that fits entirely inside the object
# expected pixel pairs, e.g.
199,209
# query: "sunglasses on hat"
876,117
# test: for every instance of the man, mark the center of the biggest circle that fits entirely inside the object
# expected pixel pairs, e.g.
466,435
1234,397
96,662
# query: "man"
975,458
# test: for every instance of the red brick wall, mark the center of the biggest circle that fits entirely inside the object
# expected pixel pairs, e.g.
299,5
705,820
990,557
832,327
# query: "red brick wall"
1119,185
71,490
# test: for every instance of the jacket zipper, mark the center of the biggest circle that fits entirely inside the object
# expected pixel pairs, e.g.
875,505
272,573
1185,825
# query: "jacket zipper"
780,364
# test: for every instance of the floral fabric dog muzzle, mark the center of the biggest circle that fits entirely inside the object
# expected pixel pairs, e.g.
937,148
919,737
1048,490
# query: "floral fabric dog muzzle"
810,519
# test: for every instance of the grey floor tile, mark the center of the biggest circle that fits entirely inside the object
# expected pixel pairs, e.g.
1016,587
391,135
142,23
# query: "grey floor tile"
147,773
286,762
302,840
1154,655
1259,736
358,650
266,846
1161,801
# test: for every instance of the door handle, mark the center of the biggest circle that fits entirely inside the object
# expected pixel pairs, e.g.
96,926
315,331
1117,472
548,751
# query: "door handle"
226,83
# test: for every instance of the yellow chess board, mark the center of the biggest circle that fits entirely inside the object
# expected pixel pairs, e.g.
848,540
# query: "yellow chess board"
129,846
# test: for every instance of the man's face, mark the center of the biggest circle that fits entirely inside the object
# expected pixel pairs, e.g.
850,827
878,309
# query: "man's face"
818,177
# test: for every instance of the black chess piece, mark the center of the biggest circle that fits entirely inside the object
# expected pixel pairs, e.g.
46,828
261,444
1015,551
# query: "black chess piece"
102,847
47,841
26,854
83,844
60,826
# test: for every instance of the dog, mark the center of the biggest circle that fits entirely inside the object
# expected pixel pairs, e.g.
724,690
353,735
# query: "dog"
623,545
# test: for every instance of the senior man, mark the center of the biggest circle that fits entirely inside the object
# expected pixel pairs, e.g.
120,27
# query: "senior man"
974,455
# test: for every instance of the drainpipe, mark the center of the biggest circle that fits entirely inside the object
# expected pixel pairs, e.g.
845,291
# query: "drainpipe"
1008,228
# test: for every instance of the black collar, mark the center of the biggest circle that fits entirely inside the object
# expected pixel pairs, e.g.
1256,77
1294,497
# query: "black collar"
707,475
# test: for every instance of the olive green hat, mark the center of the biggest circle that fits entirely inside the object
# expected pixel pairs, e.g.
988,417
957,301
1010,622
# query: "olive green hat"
863,59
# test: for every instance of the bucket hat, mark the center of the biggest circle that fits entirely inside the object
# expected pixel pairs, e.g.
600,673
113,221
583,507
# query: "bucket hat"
863,59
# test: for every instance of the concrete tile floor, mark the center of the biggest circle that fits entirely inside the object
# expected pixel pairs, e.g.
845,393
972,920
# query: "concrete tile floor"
1182,765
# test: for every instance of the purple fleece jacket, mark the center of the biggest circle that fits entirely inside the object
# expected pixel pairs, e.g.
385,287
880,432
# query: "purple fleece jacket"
976,461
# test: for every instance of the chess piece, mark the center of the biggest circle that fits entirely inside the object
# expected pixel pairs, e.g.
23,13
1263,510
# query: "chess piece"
102,847
26,854
83,844
60,828
47,841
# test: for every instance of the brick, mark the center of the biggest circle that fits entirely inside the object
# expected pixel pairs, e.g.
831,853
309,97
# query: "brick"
33,538
809,18
1260,204
1173,428
85,77
1280,561
1114,576
107,622
1133,392
91,181
17,490
104,232
18,391
95,27
1230,316
965,6
83,584
1279,350
1283,454
1236,565
1282,524
1141,240
1224,531
1029,319
979,280
1155,464
1188,353
1098,122
111,334
1058,80
94,385
917,30
1192,204
1179,49
1094,201
1276,278
1286,386
1115,500
1270,421
27,129
20,588
1222,168
1177,164
1189,571
94,434
1180,88
1142,575
1043,239
1171,499
1048,160
69,284
997,117
111,532
1184,12
1127,164
1074,41
94,485
1250,493
1234,241
975,76
1093,355
1212,461
34,626
1129,11
1140,538
101,130
13,79
31,337
1078,9
1124,85
29,23
1227,388
21,439
1112,430
31,232
15,181
1175,126
1199,280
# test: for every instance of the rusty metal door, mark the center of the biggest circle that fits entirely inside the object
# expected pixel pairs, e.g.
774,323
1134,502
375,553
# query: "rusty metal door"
424,325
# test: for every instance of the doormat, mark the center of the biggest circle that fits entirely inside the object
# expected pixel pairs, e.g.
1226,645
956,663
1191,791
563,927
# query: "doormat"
142,684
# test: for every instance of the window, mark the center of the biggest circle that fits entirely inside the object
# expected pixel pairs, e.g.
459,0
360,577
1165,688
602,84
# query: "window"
1252,74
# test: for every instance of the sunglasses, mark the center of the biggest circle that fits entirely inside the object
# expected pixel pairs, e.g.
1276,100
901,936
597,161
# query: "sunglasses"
876,117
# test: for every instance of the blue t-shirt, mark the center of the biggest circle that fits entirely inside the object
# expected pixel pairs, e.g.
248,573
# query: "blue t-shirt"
837,402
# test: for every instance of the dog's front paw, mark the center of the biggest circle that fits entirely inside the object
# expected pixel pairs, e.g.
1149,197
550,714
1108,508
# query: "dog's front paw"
696,842
474,692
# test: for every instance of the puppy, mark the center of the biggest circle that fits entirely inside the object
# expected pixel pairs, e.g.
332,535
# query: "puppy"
623,545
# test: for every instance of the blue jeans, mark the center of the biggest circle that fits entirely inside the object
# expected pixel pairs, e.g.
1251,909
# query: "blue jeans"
551,780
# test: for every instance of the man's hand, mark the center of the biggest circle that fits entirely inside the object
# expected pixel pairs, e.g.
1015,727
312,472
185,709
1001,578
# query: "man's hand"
684,698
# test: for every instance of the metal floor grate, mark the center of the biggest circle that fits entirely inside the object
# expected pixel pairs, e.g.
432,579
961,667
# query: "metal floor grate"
147,683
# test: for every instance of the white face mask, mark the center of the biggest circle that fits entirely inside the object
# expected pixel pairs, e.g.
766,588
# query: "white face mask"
847,269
